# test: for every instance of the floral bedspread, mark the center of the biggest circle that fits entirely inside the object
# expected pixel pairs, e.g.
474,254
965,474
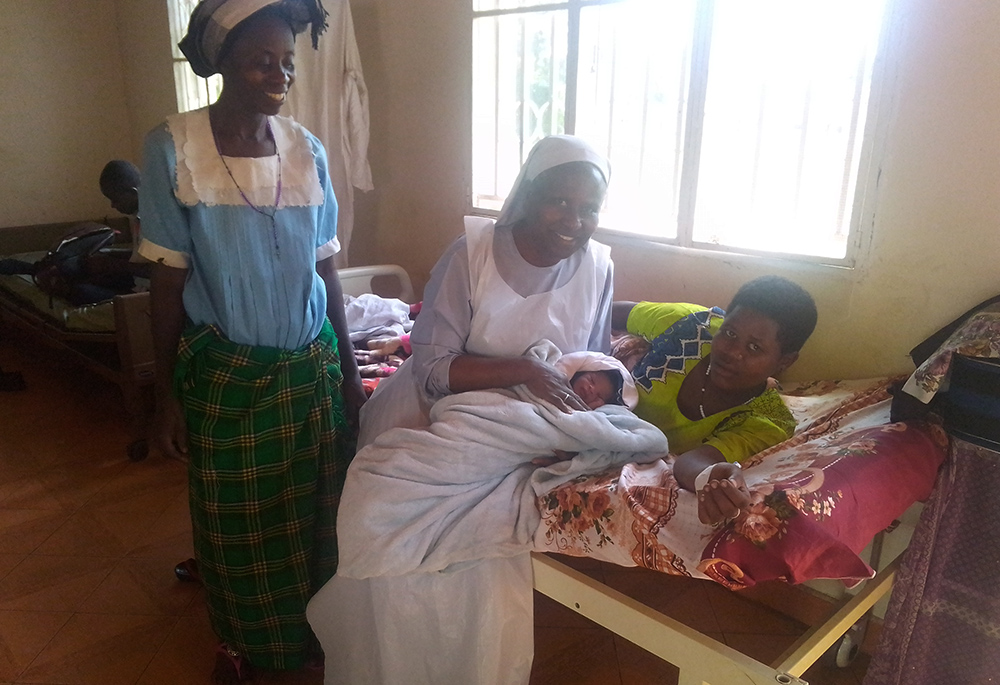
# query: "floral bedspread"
819,498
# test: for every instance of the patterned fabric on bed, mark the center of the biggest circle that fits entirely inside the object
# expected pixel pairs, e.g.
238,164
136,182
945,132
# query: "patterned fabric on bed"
820,498
979,336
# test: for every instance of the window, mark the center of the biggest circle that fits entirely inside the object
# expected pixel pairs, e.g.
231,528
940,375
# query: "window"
193,92
730,124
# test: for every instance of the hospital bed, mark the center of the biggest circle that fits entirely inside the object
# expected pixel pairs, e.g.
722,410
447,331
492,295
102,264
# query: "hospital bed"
827,493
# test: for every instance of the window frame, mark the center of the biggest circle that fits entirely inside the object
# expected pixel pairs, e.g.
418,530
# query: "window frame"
862,215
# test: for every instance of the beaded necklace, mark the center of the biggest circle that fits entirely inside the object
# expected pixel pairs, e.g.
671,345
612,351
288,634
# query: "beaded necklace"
277,198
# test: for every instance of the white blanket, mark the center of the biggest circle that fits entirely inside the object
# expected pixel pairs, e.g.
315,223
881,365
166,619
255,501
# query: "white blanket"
464,489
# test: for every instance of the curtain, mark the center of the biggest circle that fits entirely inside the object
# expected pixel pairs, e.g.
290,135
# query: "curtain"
330,99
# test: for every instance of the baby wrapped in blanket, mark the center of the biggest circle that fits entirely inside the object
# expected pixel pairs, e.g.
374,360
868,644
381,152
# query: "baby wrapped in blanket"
466,487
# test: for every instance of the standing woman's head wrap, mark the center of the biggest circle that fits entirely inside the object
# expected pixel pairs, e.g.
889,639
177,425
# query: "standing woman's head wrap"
547,153
213,20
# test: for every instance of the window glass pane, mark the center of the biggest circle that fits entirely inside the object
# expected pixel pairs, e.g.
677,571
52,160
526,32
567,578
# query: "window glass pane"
194,92
787,96
180,12
487,5
631,99
519,93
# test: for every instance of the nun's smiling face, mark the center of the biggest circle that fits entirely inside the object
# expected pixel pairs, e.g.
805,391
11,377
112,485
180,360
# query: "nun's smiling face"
563,209
259,66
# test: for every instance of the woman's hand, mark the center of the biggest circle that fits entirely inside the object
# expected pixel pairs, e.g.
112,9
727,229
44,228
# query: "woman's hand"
725,496
170,431
551,386
354,397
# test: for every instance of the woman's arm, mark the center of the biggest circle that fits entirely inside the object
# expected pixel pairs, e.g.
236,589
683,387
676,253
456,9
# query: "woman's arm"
470,372
168,318
619,315
724,495
354,392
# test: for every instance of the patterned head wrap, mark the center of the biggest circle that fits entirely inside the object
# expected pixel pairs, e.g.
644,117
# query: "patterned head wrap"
547,153
212,20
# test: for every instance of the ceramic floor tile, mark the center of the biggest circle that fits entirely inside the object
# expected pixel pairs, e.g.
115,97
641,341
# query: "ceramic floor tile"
141,586
149,486
579,656
23,634
99,532
51,583
108,649
737,614
186,656
168,536
681,598
639,667
23,530
9,561
66,487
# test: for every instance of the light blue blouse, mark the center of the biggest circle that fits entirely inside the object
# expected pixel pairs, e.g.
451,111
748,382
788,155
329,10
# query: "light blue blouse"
252,277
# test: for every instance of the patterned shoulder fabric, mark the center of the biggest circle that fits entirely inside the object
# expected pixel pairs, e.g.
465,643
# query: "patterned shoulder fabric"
672,348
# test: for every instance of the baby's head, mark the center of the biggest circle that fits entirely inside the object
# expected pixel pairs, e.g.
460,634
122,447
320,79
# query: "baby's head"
598,379
597,388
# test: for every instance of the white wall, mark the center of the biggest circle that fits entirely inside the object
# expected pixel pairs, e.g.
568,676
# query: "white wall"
74,102
934,248
78,81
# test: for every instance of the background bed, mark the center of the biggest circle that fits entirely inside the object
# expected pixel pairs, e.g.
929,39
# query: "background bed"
112,339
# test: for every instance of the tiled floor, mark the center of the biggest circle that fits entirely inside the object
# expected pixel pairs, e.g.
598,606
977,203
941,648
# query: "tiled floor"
88,541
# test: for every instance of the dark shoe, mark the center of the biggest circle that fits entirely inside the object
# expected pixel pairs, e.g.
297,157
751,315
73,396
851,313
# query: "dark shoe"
230,667
187,571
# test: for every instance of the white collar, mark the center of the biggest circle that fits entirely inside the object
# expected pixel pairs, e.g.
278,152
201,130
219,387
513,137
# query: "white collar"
202,177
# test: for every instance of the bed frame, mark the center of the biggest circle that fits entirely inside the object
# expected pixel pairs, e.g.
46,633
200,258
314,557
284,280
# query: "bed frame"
700,659
123,356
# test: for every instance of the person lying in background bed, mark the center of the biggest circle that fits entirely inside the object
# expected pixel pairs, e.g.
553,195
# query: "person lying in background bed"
705,382
99,274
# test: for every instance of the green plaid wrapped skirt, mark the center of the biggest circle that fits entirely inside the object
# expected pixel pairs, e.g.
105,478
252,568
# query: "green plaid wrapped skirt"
268,457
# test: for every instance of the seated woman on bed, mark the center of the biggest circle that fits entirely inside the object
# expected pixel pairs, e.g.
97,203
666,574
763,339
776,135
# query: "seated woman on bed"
534,274
705,382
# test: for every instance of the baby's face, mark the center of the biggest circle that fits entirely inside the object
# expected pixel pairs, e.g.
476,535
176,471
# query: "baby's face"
595,388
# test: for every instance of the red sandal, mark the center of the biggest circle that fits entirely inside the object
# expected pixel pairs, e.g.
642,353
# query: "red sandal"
230,667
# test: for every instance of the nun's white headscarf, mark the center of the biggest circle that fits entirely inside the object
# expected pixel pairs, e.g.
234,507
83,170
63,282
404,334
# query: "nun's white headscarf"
547,153
212,20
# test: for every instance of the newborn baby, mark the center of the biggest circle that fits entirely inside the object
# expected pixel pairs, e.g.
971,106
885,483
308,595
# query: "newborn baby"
598,379
597,388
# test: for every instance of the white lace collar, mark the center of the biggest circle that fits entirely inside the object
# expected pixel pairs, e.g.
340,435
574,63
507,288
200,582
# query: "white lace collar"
202,177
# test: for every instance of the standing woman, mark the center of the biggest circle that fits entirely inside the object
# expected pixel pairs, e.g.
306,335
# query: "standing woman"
240,218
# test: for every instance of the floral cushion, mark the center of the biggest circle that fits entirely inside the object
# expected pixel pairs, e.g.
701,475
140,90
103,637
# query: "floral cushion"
820,497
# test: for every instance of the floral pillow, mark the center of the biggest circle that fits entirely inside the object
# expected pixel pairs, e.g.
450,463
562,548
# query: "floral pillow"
818,505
